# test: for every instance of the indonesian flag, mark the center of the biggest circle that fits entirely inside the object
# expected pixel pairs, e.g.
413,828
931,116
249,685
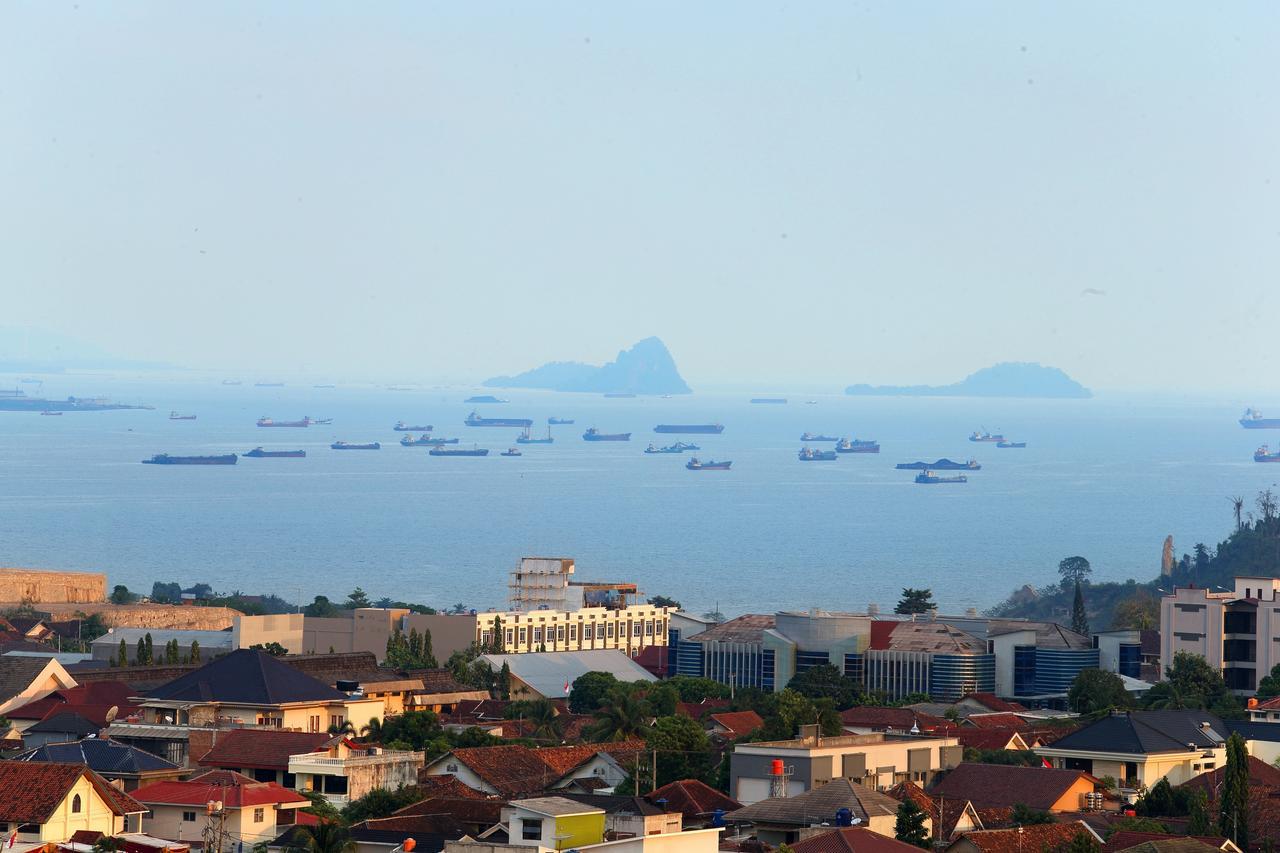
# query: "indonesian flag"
13,836
1046,763
566,688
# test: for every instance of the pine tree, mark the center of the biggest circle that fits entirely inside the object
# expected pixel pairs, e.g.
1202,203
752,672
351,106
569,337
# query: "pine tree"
497,646
194,657
909,827
428,654
1198,822
1079,619
1233,808
123,657
502,686
147,641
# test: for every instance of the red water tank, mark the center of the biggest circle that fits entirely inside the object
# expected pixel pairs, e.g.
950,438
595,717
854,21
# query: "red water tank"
777,767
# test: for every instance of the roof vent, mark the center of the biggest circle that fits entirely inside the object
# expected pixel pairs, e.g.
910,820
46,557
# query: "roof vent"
873,609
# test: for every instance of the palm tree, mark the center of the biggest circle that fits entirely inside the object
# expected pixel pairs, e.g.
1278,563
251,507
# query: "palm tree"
343,728
107,844
545,720
621,717
372,730
321,838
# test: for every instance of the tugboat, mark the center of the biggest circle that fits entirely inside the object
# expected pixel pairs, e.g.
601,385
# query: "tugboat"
265,421
809,436
560,421
1261,455
695,464
931,479
594,434
1253,419
940,465
401,426
454,451
511,451
347,445
1005,445
174,416
166,459
474,420
425,441
259,453
844,445
994,438
697,429
678,447
808,455
527,438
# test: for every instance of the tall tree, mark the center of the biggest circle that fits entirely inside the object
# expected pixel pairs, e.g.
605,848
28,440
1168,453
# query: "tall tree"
684,750
357,599
826,681
1079,618
1140,610
1237,504
1233,808
1074,570
122,657
1096,690
621,717
502,685
909,827
590,690
1201,556
194,656
915,601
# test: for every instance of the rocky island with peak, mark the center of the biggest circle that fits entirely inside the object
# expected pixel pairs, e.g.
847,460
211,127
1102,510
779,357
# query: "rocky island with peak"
646,368
1007,379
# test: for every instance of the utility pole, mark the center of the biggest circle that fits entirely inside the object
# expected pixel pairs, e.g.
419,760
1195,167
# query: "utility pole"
653,785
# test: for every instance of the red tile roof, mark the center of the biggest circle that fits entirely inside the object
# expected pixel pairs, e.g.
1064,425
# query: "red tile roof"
698,710
260,749
512,770
993,702
1260,774
1269,705
852,839
999,785
447,786
880,718
96,698
990,738
952,810
693,799
1020,840
738,723
995,720
29,793
1123,839
233,789
462,809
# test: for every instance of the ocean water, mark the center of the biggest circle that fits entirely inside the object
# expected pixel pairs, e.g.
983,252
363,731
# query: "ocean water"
1108,478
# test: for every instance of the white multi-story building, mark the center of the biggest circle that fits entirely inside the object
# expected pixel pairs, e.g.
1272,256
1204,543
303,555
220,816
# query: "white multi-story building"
1237,631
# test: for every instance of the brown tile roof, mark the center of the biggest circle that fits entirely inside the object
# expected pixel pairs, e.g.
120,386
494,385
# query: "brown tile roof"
447,786
1169,844
29,793
990,739
1260,773
512,770
738,723
462,809
693,799
995,720
17,673
1127,839
852,839
698,710
998,785
952,810
1027,838
261,749
880,718
744,629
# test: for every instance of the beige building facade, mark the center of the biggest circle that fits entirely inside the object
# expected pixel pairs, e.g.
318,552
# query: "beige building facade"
1235,631
627,629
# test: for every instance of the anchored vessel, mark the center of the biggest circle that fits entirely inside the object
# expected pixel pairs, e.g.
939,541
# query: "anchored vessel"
931,479
527,438
174,416
620,394
560,421
425,441
769,401
166,459
1253,419
511,451
1262,455
401,426
259,453
678,447
816,436
347,445
844,445
808,455
17,401
940,465
1008,444
474,420
994,438
695,464
455,451
265,421
696,429
594,434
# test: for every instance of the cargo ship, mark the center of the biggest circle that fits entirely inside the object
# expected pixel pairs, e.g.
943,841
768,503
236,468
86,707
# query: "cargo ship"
18,401
986,436
929,478
456,451
347,445
474,420
1253,419
695,464
1005,445
166,459
678,447
560,421
426,441
769,401
259,453
401,426
1262,455
844,445
940,465
321,421
174,416
693,429
527,438
265,421
49,414
485,398
813,436
808,455
594,434
511,451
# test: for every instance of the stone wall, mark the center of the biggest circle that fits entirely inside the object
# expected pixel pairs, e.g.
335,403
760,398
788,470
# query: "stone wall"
146,615
41,587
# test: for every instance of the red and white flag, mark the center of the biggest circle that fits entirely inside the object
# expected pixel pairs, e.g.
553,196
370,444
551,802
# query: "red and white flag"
13,836
566,688
1046,763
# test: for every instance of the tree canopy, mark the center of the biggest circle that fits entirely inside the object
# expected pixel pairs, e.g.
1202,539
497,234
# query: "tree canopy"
589,690
1074,570
827,682
1096,690
915,601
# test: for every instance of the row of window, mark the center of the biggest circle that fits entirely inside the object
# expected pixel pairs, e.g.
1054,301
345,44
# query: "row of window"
563,633
259,815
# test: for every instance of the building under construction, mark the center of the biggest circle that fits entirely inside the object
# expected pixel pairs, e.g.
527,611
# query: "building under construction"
546,583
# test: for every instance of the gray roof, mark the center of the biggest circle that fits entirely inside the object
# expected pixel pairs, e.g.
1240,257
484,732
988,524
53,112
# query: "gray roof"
103,755
818,805
246,677
744,629
547,672
65,722
17,673
1146,732
555,806
160,636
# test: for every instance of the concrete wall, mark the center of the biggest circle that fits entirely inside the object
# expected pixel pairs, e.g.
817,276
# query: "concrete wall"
149,615
285,629
43,587
448,633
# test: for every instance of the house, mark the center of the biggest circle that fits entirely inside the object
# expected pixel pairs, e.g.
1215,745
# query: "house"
999,785
989,739
852,839
475,815
93,700
876,760
949,817
1139,748
31,628
513,770
553,822
1161,842
343,771
251,811
699,804
48,802
868,719
630,816
113,761
780,820
261,754
252,687
59,728
1231,630
732,725
24,679
548,675
1022,839
429,832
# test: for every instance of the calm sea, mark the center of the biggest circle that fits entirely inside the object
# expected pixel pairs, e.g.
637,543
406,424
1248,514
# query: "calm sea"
1108,478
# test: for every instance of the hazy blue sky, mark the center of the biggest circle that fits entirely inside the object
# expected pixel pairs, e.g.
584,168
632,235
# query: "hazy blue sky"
884,192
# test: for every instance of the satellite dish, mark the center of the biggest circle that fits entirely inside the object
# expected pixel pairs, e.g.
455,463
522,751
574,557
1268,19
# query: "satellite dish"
112,713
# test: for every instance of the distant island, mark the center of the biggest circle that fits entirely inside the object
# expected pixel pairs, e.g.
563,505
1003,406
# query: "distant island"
1007,379
646,368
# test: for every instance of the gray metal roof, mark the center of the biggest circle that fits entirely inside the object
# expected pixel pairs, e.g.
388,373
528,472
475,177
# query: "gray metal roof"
818,805
160,636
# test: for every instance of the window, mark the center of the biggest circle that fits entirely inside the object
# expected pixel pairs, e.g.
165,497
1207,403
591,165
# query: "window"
188,817
636,629
486,638
75,804
336,720
588,632
313,723
648,628
610,631
510,636
573,633
523,635
259,815
531,829
559,633
537,635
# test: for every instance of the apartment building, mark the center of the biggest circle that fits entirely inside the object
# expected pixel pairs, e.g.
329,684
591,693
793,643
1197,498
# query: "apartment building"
1236,631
